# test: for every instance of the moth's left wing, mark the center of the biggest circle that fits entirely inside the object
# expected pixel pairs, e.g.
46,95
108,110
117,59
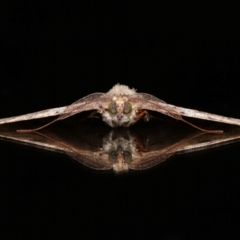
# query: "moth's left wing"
144,101
149,102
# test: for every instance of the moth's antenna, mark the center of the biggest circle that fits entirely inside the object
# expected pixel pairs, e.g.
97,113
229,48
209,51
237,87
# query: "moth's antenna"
39,128
202,129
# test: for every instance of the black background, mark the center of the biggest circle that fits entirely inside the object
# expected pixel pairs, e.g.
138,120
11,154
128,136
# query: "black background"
55,52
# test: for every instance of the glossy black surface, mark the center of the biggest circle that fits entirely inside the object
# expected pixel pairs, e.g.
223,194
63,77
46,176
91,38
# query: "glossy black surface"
53,53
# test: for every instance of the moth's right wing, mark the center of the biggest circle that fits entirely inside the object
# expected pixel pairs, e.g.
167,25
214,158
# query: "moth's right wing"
145,101
90,102
94,101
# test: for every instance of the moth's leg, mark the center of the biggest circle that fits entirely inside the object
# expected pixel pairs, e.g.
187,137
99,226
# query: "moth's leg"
94,114
157,117
147,116
39,128
91,115
140,114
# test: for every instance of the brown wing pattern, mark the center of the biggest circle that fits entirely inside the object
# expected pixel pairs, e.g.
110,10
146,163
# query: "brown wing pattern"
89,159
90,102
88,98
149,102
92,159
150,161
150,97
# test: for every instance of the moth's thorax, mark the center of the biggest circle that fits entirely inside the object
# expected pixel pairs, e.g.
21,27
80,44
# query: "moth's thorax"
119,100
120,112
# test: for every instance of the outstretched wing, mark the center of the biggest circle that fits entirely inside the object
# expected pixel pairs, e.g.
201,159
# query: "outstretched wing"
149,102
93,101
146,101
89,102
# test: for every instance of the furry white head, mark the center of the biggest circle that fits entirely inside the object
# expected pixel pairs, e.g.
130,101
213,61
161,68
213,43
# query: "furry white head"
119,89
120,111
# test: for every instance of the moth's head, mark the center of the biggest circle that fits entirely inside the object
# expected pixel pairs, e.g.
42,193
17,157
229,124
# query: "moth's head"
119,111
120,106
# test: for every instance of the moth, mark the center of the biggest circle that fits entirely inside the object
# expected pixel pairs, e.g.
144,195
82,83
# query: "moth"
122,106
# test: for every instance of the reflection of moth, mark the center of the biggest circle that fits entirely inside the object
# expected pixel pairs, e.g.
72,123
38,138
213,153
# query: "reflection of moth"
122,106
121,149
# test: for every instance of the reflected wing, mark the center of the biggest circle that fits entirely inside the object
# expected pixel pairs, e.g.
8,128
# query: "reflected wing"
93,159
150,160
89,159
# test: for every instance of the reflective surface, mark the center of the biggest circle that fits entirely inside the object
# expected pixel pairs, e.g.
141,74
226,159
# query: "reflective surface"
44,189
121,149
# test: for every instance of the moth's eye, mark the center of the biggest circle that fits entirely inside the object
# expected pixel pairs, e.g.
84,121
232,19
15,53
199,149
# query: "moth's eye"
112,108
113,156
127,107
127,156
